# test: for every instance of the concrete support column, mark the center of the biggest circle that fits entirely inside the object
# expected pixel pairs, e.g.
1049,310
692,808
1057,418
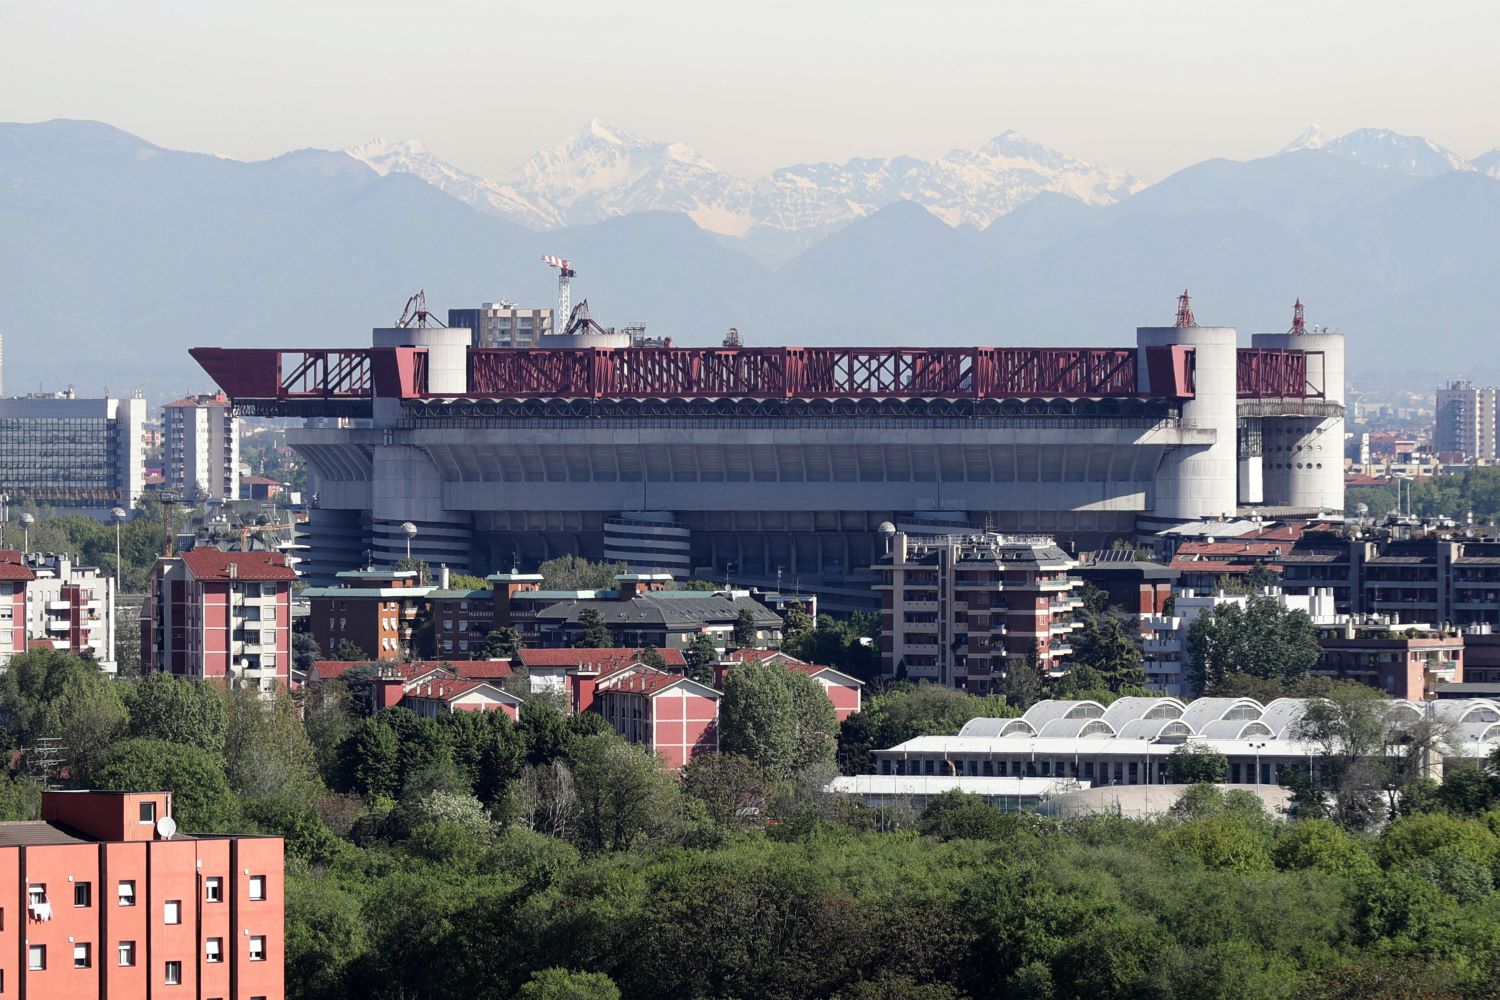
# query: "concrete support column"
1201,481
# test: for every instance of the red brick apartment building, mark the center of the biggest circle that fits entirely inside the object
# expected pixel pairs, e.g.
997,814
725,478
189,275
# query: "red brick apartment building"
220,616
102,900
376,610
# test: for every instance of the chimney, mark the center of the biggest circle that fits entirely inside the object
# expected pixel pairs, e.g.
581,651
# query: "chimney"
443,576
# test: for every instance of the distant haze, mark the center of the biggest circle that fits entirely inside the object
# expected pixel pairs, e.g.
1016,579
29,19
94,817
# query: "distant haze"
1148,86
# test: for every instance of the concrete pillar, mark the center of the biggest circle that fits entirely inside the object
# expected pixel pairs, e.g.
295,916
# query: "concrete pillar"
1200,481
1304,456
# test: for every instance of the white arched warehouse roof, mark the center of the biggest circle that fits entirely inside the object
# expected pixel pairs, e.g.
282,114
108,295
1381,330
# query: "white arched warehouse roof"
1236,729
1201,712
1156,729
1129,709
1078,728
1044,712
1281,714
1469,710
985,728
1477,732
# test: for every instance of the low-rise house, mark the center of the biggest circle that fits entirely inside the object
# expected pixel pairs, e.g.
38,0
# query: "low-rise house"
676,717
432,697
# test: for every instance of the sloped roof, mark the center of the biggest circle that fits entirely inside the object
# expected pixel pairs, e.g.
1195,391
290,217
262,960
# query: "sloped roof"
605,658
214,564
450,689
648,609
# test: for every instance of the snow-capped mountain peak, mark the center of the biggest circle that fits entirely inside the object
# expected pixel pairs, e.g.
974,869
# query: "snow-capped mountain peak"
1383,149
603,171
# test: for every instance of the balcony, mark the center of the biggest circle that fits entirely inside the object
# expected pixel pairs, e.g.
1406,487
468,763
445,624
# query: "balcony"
53,625
59,605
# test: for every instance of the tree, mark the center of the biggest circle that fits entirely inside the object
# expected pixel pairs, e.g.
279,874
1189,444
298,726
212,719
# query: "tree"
88,717
499,644
905,712
731,787
369,759
349,651
799,624
178,710
1197,763
29,688
413,564
560,984
778,718
701,654
593,633
201,799
1023,684
622,792
1261,638
1348,730
267,753
651,657
575,573
745,630
305,652
955,815
1105,646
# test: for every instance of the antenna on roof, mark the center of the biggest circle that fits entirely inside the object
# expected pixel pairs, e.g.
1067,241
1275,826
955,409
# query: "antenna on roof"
1185,310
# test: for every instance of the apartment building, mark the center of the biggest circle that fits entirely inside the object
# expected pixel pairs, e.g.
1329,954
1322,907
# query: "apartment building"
1408,663
503,324
220,616
676,717
1465,425
104,900
957,609
375,609
15,576
201,447
71,608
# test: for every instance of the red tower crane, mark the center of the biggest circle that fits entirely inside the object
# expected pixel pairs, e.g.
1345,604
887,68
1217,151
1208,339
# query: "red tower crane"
1185,310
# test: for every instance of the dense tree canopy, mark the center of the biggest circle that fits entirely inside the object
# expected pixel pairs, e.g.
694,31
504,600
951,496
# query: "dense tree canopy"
1260,639
778,718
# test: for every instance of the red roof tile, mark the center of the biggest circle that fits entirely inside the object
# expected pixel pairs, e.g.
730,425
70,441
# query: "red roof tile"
747,655
214,564
606,659
484,669
650,683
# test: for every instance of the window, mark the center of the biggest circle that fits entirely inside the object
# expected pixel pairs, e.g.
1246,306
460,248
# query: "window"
127,892
127,953
257,949
36,957
268,590
174,973
82,956
36,894
148,812
213,890
83,893
172,911
213,950
257,887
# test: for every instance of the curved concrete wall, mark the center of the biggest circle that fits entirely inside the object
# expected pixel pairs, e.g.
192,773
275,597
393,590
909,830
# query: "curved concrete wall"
1304,456
1194,482
447,353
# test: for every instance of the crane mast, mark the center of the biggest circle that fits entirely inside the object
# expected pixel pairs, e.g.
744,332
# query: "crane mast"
565,275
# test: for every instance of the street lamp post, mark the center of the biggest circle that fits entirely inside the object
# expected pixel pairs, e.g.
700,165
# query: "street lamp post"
27,520
409,530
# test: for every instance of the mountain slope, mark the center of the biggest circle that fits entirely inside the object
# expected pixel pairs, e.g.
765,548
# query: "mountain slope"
1385,150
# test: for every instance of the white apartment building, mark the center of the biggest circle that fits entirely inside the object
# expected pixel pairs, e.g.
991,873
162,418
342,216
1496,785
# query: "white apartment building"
71,607
503,324
1466,421
201,447
1164,642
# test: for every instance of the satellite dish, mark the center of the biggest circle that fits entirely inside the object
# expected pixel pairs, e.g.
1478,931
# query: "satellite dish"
166,827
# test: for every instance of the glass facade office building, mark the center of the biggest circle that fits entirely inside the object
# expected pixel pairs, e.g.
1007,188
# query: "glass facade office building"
64,452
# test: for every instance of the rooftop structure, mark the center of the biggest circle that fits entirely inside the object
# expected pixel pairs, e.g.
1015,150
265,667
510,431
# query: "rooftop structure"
780,462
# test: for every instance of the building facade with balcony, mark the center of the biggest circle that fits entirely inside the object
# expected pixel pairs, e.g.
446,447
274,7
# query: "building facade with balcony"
376,610
15,577
201,447
105,901
1407,663
218,615
957,609
71,608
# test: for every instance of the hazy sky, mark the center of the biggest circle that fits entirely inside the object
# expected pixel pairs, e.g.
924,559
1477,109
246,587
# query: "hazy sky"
1149,85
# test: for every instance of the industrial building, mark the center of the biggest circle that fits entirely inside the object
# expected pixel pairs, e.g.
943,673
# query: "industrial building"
779,463
83,456
1131,741
104,899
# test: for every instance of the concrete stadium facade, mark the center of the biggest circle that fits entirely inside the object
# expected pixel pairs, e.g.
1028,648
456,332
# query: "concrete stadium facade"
776,466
